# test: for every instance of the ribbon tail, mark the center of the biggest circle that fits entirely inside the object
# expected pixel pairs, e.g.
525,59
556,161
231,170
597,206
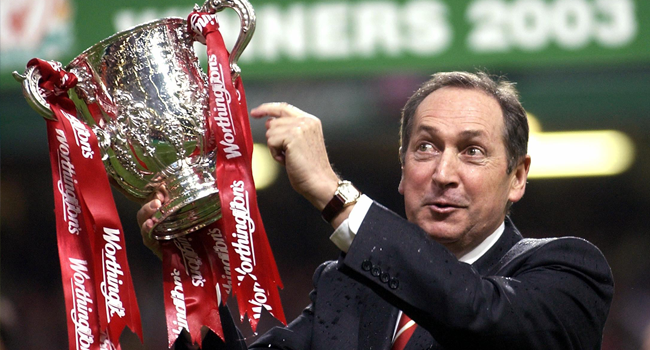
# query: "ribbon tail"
174,295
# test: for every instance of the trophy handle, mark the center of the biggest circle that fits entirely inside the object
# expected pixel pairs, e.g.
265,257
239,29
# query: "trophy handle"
247,17
31,90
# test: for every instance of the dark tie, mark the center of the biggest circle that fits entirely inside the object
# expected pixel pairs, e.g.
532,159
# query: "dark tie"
405,329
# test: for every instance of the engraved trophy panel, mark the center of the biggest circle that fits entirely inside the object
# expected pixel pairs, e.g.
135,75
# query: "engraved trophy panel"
145,96
150,102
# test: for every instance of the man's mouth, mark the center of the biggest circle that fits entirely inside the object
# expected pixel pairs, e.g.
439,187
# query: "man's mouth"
445,207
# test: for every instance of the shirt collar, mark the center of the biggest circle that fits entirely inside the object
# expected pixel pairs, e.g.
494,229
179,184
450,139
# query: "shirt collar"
484,246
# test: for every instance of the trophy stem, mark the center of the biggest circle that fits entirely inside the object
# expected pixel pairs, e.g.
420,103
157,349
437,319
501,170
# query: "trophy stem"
194,205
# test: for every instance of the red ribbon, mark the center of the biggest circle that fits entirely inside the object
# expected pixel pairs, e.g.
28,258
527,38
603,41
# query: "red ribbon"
100,300
254,272
236,248
190,294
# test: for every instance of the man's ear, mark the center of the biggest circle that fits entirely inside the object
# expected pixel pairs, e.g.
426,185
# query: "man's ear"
518,182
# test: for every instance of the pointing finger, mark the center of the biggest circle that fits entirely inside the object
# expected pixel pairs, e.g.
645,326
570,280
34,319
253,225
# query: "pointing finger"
276,109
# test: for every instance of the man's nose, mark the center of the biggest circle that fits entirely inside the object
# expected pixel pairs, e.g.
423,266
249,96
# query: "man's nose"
445,173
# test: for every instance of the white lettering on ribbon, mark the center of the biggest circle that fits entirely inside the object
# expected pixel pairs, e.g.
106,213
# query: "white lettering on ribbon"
243,245
245,228
198,22
221,249
223,116
178,299
81,135
71,205
191,261
112,271
259,300
81,308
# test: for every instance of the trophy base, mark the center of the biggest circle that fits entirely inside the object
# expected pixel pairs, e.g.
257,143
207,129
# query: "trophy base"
194,204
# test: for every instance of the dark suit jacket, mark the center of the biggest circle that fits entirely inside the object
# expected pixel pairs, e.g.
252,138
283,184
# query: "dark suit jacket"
543,294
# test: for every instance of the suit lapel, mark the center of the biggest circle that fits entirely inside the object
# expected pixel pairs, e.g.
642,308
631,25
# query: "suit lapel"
378,319
421,339
492,257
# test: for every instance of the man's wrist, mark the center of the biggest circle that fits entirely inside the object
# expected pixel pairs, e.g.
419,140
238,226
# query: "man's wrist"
345,196
347,224
325,195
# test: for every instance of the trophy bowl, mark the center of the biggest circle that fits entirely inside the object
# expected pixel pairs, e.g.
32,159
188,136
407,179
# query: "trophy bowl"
144,94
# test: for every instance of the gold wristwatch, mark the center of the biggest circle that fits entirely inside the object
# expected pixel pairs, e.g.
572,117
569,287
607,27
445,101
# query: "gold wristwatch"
346,194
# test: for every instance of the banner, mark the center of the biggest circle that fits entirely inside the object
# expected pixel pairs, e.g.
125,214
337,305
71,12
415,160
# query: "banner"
302,38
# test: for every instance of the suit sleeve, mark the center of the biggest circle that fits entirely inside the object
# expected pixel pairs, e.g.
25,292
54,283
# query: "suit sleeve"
297,334
554,297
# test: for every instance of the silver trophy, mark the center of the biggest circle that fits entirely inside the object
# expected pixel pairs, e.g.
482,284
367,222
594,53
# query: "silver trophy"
152,99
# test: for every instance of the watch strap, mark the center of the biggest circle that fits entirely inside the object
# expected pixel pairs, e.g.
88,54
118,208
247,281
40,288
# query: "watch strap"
332,208
338,202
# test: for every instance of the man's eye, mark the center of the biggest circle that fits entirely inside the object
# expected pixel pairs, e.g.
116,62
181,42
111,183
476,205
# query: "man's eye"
425,147
474,152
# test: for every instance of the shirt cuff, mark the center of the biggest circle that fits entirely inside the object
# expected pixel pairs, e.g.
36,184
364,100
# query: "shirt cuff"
344,234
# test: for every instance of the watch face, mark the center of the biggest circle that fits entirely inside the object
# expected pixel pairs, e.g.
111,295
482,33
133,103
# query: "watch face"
348,192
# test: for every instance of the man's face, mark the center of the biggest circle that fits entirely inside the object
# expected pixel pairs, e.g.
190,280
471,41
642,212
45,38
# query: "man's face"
454,178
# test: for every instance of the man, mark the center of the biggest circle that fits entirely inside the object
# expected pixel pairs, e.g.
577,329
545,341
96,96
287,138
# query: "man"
458,267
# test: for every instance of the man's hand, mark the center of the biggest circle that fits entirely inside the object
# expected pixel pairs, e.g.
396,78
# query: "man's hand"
296,141
146,220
